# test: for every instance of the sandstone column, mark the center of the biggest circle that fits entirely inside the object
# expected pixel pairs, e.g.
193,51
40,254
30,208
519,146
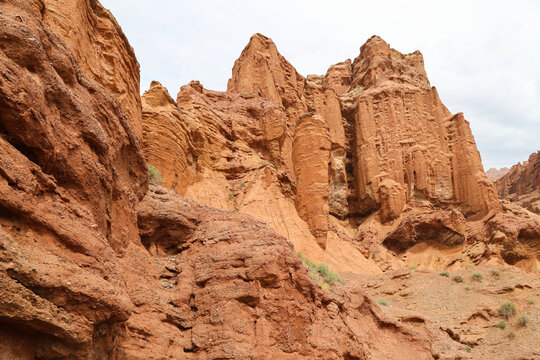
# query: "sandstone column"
311,156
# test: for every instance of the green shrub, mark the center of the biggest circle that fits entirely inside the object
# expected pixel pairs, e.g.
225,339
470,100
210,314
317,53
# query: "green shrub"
495,273
511,334
468,348
468,288
324,286
154,174
242,185
313,276
458,279
328,275
523,320
231,196
501,325
382,302
308,262
414,266
323,270
507,310
477,276
530,301
444,273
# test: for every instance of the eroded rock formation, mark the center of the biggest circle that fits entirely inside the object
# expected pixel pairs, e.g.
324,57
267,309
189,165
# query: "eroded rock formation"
495,174
522,184
71,172
97,264
383,140
89,271
101,49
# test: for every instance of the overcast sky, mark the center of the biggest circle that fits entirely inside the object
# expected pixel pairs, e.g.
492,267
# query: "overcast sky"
483,56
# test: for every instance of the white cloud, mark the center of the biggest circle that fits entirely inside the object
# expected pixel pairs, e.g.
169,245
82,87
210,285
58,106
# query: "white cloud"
482,56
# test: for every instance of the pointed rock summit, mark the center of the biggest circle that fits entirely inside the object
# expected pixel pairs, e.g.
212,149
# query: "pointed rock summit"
385,142
359,170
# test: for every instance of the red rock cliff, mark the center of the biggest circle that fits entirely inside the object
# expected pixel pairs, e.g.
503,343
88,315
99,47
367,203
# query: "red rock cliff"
392,143
522,184
101,49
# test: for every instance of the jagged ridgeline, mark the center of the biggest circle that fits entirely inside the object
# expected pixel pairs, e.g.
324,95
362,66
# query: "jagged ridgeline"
243,224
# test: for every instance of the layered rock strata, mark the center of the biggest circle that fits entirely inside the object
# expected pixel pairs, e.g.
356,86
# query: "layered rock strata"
522,184
101,49
391,142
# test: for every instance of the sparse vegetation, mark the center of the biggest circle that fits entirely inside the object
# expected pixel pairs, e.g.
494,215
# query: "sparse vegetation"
468,288
321,271
308,262
468,348
154,175
382,302
242,185
507,310
523,320
444,273
328,275
530,301
324,286
231,196
477,276
501,325
495,273
458,279
414,266
511,334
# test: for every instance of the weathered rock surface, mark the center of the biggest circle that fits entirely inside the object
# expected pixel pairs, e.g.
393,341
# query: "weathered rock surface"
444,227
389,143
71,172
311,156
522,184
100,47
94,264
404,133
468,311
495,174
233,288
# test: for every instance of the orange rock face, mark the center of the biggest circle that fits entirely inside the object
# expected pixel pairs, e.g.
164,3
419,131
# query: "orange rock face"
95,263
101,49
404,133
388,142
495,174
311,153
231,287
71,172
522,184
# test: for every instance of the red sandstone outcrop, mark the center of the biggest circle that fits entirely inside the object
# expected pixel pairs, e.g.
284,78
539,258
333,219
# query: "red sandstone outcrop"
71,172
78,282
495,174
444,227
101,49
392,142
404,133
232,288
94,265
522,184
311,152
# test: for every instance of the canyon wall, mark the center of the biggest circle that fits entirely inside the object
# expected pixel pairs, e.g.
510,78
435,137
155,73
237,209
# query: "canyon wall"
316,156
522,184
94,264
100,47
